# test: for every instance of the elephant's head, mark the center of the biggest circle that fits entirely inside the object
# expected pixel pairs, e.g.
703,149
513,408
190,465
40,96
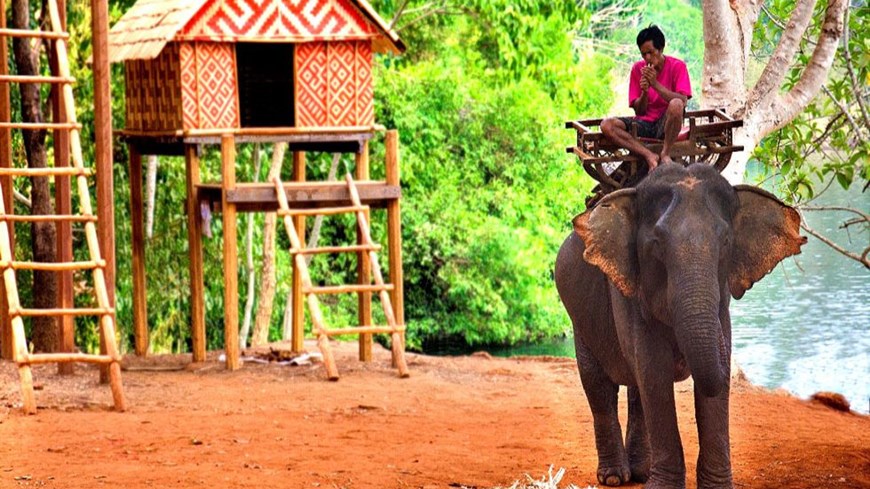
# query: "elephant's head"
680,243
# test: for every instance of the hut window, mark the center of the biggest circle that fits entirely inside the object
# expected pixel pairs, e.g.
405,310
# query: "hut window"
265,84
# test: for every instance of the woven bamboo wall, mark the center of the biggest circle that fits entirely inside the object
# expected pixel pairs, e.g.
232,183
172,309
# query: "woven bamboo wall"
209,95
334,84
153,92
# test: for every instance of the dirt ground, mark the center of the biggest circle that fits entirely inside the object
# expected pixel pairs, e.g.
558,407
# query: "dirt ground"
472,421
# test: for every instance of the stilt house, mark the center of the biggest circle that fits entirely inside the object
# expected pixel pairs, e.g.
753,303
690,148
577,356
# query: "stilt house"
203,65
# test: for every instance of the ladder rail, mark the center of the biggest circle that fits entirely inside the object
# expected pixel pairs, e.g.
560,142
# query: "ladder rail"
8,264
368,246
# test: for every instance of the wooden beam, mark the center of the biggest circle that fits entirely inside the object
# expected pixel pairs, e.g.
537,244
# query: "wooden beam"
231,286
63,206
364,266
297,339
195,263
394,241
255,197
103,150
140,287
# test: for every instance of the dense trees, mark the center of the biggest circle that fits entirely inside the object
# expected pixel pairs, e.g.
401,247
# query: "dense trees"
488,193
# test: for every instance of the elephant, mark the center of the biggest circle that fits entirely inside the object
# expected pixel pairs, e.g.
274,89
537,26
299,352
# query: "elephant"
647,277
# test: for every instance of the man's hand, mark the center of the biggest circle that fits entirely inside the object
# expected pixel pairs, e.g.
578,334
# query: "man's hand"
648,76
644,85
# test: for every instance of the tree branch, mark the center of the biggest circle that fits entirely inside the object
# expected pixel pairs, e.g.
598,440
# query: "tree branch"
856,87
786,107
774,72
862,258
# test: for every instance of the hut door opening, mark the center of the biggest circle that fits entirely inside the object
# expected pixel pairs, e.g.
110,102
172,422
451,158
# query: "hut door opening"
265,84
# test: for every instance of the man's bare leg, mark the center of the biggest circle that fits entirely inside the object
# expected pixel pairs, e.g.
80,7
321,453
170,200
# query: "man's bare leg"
616,131
673,124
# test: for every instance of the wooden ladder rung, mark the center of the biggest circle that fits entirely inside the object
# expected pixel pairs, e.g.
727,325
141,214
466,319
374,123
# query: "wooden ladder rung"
345,289
33,34
335,249
53,267
323,211
46,172
36,79
93,311
65,358
363,330
46,218
33,126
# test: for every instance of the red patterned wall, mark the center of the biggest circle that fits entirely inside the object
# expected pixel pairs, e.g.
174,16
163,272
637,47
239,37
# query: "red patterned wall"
334,84
288,19
208,85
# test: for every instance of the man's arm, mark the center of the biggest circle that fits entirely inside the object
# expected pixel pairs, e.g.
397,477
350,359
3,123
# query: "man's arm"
639,104
649,75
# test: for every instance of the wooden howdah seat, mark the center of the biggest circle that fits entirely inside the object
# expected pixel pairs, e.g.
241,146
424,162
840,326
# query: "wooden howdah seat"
705,138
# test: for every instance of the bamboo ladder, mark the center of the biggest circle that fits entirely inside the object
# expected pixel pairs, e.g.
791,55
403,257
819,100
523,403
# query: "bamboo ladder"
8,263
298,250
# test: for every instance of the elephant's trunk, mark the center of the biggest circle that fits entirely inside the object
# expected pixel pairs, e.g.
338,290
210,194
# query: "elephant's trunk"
695,298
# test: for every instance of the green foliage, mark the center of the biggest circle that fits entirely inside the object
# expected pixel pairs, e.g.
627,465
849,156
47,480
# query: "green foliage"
488,191
827,142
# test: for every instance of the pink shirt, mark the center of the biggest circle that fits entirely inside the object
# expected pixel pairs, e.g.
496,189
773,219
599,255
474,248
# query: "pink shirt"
674,76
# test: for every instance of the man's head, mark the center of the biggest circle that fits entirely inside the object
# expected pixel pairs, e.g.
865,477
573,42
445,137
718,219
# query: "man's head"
651,42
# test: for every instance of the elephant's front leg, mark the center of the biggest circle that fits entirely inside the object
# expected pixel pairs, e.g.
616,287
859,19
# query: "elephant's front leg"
656,385
602,394
714,456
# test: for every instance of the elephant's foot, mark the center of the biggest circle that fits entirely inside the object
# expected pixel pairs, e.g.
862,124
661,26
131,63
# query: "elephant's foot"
674,480
656,484
710,481
614,476
639,460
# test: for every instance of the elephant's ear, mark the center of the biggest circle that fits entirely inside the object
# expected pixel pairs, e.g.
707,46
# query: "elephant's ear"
608,231
766,231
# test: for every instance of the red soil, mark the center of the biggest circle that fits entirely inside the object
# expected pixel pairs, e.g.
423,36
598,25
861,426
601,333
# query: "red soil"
459,421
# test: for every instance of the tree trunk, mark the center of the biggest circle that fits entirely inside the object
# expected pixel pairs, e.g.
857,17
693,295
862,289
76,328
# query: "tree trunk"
764,107
150,195
249,261
266,295
43,234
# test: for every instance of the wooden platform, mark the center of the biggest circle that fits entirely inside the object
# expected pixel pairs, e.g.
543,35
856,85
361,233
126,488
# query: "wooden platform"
260,197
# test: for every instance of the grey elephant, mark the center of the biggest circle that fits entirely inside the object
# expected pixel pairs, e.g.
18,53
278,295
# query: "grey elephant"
647,278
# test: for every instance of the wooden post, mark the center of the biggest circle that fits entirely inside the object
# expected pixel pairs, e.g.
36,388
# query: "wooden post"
140,289
7,348
298,326
364,266
63,205
103,150
231,286
194,240
394,233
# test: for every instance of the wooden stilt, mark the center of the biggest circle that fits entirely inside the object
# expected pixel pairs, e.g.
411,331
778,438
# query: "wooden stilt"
63,206
195,264
140,288
231,286
364,267
298,309
394,242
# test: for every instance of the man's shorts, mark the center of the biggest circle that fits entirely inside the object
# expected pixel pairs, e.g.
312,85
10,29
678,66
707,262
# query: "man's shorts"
646,129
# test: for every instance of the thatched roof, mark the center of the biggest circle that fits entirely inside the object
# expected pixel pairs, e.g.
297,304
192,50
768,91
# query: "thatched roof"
149,25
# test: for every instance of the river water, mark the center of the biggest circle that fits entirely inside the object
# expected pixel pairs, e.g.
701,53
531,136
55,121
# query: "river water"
806,326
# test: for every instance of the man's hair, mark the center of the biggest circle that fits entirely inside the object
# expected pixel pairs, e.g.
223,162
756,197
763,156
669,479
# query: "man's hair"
654,34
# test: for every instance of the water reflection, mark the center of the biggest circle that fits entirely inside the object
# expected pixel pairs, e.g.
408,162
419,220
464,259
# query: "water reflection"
805,326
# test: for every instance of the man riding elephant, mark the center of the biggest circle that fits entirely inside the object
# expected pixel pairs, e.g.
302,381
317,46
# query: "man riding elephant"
658,90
